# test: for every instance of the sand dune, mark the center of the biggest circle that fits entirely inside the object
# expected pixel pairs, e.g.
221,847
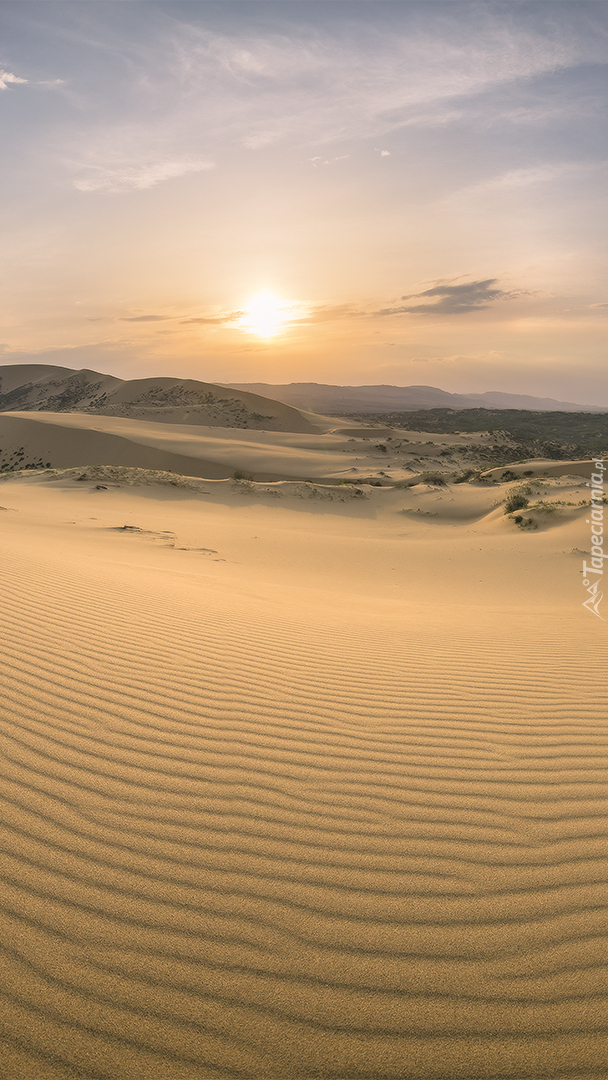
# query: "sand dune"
75,438
298,782
64,439
542,467
177,401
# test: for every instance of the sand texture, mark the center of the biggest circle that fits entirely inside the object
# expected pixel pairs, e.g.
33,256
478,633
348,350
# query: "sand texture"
329,451
297,781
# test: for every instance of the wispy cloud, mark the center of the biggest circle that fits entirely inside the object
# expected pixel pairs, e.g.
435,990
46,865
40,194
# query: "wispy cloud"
514,179
7,77
144,318
294,313
191,90
328,313
451,299
329,161
327,85
216,320
134,175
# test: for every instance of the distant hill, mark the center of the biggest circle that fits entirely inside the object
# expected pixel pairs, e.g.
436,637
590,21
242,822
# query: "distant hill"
322,398
44,388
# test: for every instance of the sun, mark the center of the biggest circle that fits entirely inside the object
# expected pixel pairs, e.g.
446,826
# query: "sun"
264,315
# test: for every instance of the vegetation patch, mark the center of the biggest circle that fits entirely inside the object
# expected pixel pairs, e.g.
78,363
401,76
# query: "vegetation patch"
518,499
436,479
519,434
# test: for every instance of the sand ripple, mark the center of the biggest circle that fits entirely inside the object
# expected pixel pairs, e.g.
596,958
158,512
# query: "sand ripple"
240,842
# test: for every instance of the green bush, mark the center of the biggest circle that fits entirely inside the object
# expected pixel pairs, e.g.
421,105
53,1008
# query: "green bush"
516,501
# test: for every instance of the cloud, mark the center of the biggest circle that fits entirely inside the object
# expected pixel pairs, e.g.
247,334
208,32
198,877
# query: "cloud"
327,313
185,87
134,176
144,318
216,320
329,161
451,299
330,84
7,77
295,313
515,179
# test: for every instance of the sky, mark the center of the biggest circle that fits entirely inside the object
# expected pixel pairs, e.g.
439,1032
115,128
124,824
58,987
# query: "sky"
326,191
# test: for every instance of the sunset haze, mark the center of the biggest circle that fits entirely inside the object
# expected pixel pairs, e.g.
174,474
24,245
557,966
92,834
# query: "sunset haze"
419,186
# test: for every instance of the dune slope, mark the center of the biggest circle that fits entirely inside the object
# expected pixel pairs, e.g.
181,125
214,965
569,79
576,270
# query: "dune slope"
296,788
38,387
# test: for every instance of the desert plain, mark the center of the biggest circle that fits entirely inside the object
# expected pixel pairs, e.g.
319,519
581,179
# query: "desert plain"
300,778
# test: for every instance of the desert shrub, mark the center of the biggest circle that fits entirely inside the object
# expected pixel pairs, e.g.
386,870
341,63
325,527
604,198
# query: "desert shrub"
508,474
432,478
467,474
547,508
239,475
516,501
423,478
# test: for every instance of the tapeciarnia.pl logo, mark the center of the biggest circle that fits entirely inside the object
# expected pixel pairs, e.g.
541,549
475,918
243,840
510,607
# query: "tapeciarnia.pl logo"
593,572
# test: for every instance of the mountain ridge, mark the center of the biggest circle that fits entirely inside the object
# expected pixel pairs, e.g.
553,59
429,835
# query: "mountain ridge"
373,398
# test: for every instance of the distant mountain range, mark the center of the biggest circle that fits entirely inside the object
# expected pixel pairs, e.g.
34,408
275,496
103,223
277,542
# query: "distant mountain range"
44,388
332,400
262,406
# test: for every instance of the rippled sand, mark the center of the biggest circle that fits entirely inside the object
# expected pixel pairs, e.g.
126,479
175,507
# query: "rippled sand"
297,787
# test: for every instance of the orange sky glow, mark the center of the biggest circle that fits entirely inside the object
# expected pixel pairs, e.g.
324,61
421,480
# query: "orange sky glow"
342,192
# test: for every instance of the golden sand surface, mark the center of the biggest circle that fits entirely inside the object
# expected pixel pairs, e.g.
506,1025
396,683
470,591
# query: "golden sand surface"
73,439
299,782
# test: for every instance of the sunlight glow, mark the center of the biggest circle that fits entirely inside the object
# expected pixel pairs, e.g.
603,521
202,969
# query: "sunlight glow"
265,315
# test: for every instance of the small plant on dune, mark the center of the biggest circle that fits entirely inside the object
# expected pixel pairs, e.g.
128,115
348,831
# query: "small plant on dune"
516,501
434,478
239,475
548,508
467,474
525,523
